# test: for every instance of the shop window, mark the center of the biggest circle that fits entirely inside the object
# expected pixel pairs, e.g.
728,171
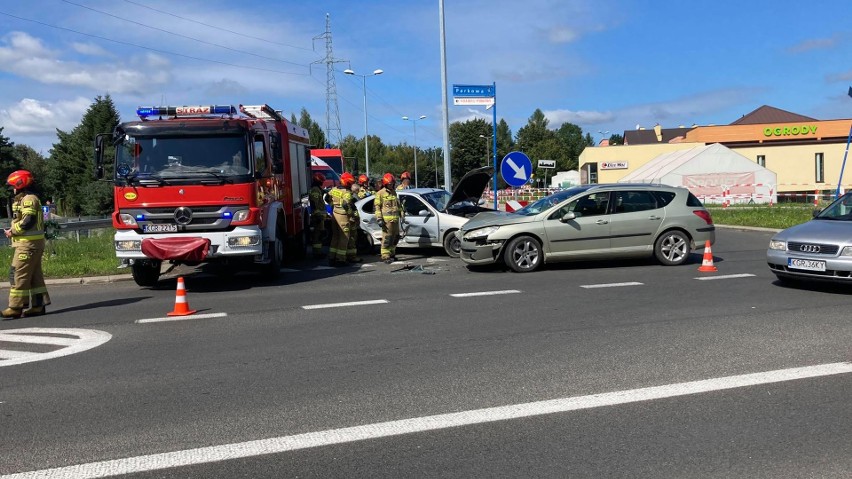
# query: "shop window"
819,167
761,160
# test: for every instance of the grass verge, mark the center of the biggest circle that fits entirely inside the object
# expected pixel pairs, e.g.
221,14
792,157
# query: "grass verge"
93,256
779,217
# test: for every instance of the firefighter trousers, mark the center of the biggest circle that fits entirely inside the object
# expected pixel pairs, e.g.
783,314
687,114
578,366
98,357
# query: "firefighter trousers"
390,237
318,225
25,276
352,244
339,237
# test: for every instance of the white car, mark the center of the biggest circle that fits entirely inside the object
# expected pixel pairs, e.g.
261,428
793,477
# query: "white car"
432,216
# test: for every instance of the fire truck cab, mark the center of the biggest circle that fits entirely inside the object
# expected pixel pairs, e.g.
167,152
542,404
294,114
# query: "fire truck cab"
207,183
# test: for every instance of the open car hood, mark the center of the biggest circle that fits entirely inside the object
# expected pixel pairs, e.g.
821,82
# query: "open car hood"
471,186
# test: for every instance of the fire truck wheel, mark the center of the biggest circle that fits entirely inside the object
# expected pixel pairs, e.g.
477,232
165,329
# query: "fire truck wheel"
146,272
272,269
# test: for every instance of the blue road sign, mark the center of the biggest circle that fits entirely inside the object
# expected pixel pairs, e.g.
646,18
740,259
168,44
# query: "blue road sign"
477,91
516,168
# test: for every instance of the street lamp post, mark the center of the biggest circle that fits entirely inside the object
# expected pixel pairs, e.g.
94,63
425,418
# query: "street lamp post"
487,148
349,71
603,134
414,121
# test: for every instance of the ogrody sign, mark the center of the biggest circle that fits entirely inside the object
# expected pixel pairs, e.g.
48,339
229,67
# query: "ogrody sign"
797,130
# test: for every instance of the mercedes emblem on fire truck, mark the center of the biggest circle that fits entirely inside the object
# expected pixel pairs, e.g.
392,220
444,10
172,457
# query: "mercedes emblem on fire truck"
183,215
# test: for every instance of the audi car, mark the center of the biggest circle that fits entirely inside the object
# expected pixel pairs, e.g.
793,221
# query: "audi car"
591,222
819,250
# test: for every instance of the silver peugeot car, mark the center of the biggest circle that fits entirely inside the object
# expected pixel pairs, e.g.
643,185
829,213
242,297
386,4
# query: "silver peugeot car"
591,222
820,249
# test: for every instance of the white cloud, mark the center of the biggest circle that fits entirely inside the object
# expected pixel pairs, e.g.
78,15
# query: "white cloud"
90,49
839,77
558,117
814,44
30,117
562,34
26,57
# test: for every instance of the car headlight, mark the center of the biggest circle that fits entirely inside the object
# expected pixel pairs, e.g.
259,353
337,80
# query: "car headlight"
779,245
241,215
237,241
480,233
847,251
128,245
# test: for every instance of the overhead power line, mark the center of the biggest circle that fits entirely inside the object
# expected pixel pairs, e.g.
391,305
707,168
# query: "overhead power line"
218,27
165,52
69,2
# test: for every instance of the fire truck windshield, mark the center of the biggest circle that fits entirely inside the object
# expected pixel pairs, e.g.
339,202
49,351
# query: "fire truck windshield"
174,159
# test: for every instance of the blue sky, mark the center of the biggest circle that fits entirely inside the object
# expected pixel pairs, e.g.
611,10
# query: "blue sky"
607,65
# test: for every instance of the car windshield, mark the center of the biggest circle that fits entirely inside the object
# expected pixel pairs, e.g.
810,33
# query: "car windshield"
197,157
840,210
547,202
438,199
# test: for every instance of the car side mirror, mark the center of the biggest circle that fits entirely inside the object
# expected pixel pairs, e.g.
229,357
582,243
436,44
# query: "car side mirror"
816,212
423,213
480,202
568,217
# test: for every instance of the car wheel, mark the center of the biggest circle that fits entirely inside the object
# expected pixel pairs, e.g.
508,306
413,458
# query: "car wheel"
523,254
672,248
452,244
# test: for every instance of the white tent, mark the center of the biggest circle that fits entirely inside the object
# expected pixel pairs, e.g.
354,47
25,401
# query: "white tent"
713,173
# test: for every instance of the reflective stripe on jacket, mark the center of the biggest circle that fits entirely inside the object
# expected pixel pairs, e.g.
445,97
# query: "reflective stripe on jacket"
386,205
27,205
341,200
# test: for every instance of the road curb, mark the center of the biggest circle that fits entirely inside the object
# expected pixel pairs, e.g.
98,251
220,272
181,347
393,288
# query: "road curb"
84,280
748,228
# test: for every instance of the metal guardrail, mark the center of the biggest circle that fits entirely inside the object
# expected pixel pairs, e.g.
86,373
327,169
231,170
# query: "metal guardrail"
67,226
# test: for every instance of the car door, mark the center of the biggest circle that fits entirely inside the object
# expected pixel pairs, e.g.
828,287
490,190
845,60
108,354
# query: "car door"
587,234
366,212
422,221
636,218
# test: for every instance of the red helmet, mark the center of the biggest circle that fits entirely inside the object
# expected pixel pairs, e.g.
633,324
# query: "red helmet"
319,178
388,179
20,179
405,176
346,179
363,180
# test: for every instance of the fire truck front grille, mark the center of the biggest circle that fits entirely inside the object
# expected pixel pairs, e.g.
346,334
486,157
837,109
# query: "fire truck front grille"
185,219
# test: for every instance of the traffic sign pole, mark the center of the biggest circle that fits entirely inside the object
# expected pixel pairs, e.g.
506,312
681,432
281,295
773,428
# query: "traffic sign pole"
494,137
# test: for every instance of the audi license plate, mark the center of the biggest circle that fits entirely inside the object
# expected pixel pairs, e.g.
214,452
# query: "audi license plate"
806,264
159,229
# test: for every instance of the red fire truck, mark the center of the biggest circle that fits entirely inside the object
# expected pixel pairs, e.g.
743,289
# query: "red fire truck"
207,183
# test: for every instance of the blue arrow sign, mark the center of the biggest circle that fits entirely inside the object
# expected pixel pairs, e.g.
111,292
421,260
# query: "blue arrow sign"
516,168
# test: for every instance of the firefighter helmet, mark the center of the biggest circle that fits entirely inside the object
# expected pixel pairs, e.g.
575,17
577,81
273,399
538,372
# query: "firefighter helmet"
319,178
363,180
20,179
346,179
388,179
405,175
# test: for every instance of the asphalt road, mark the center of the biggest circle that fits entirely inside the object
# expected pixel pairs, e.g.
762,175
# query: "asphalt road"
270,388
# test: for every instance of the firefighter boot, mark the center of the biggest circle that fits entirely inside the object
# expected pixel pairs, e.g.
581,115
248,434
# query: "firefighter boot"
11,313
35,311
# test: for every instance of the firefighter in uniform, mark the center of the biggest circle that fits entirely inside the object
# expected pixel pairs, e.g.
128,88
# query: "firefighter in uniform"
354,218
388,215
405,181
28,293
318,214
341,201
364,184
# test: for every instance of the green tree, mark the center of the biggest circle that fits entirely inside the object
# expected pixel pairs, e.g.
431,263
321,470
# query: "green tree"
8,163
314,130
616,139
70,175
505,142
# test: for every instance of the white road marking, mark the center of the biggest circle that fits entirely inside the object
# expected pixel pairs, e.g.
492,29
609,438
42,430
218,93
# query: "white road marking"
289,270
343,305
320,268
277,445
611,285
485,293
84,339
724,276
181,318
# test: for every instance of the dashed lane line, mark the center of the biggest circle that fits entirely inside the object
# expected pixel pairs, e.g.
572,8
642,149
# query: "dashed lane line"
611,285
277,445
343,305
724,276
70,340
485,293
181,318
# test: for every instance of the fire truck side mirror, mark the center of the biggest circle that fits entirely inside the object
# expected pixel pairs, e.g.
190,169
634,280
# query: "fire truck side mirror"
99,155
277,167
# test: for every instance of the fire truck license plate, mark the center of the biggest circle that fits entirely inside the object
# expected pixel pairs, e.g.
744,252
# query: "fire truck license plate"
160,229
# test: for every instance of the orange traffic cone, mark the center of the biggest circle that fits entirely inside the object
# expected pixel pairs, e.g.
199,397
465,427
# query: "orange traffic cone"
707,262
181,305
